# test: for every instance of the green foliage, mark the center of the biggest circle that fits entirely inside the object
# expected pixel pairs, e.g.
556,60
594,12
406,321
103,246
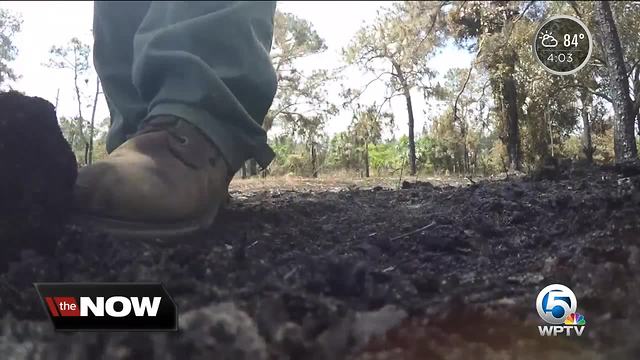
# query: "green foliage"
571,148
10,24
343,152
387,158
100,139
603,144
426,153
286,160
76,139
294,157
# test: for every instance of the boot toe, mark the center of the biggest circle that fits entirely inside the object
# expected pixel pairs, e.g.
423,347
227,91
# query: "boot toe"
88,188
128,191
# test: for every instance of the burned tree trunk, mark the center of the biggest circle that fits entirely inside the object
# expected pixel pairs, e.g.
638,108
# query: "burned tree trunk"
314,161
509,114
465,146
407,95
366,159
412,141
587,144
623,127
512,129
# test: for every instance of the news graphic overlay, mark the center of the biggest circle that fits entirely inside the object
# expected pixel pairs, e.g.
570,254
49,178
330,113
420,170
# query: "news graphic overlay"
556,305
108,306
562,45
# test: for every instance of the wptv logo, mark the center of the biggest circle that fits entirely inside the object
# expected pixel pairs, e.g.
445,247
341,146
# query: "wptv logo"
556,305
109,306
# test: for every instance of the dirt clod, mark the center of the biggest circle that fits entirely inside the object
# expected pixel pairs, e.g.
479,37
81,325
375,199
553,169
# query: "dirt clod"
37,172
220,329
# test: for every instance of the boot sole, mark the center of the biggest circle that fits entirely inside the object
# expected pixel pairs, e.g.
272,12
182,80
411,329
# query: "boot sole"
147,231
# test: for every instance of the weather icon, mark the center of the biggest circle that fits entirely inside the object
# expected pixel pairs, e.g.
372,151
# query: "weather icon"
548,40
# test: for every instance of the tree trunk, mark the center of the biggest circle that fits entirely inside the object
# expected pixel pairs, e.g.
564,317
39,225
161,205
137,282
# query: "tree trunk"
412,140
80,120
86,152
72,138
244,170
587,144
548,121
253,167
465,148
93,117
57,97
635,90
636,95
510,116
475,161
314,167
77,89
366,159
624,142
407,95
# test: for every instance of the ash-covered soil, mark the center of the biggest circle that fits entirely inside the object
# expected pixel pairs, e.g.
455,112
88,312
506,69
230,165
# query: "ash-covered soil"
446,272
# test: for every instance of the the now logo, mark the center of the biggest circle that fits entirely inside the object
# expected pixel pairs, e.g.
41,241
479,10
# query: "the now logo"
115,306
108,306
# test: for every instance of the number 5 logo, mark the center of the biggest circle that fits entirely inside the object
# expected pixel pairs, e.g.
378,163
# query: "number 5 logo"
555,302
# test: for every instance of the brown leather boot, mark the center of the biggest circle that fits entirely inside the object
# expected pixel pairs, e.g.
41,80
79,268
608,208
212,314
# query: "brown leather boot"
167,181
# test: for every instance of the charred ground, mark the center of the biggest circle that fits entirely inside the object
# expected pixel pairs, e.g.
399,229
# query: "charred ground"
448,272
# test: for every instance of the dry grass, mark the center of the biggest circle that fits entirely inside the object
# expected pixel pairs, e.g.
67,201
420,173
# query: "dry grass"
334,182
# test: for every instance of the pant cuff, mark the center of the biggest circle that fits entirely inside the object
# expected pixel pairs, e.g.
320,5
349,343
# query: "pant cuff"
235,148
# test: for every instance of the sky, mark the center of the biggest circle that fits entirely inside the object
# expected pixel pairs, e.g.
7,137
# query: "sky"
335,22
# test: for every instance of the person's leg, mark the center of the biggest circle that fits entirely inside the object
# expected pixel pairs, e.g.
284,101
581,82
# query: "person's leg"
208,62
205,71
114,26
